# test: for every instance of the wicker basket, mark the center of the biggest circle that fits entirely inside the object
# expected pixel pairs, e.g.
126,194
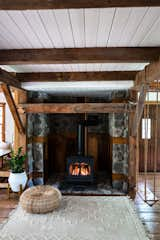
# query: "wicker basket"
40,199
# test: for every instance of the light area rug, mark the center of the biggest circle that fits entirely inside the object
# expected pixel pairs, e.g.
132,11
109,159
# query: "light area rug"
78,218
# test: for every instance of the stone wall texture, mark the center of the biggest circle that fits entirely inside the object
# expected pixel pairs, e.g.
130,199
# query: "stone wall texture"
38,126
118,127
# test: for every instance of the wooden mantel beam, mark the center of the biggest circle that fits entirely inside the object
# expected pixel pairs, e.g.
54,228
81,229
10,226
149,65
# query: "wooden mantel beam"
62,4
73,108
9,98
79,55
9,79
76,76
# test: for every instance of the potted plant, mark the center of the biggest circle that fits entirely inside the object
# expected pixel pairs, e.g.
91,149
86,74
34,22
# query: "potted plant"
18,176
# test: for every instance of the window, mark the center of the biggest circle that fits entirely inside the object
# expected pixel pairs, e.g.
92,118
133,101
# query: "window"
2,122
146,128
152,96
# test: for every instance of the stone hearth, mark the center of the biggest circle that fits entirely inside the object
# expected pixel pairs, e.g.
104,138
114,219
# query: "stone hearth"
102,185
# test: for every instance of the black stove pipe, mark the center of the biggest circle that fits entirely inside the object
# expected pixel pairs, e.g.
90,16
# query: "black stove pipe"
80,139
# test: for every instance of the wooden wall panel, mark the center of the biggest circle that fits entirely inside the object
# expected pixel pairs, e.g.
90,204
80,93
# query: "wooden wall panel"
151,143
93,149
150,162
61,147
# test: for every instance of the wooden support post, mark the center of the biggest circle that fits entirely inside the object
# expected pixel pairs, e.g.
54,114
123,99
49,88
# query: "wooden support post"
21,139
132,161
132,148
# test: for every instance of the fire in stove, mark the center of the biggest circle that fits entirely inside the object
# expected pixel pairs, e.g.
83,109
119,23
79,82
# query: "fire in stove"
79,169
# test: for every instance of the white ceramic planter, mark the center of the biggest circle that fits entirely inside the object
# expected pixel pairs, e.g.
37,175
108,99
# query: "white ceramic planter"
17,179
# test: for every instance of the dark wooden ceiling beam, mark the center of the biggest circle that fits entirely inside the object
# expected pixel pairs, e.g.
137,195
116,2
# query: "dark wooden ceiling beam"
79,55
9,79
62,4
50,108
76,76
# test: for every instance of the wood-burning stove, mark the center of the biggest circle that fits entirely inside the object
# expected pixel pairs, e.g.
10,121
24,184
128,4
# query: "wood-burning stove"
80,168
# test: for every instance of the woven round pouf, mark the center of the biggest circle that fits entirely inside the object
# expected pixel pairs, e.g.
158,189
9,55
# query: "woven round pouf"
40,199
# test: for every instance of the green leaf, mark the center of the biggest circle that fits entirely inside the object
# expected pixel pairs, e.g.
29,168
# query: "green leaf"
17,161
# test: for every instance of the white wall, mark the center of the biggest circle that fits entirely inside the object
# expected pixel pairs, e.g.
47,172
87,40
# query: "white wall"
9,122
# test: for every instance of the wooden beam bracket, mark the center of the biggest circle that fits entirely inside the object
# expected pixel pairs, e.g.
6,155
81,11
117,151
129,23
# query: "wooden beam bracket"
9,79
9,98
139,109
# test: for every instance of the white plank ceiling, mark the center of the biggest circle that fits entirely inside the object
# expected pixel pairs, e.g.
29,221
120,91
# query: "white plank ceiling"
94,88
111,27
80,28
75,67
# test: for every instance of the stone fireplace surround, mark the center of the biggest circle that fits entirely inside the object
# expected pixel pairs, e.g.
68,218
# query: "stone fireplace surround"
39,126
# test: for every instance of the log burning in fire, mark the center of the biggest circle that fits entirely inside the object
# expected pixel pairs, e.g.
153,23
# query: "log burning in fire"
82,169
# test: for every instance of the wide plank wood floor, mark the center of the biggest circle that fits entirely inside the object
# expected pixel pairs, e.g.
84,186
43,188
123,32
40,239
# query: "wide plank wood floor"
150,216
6,205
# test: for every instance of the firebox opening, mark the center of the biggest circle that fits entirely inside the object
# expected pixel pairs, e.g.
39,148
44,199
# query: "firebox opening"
79,169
